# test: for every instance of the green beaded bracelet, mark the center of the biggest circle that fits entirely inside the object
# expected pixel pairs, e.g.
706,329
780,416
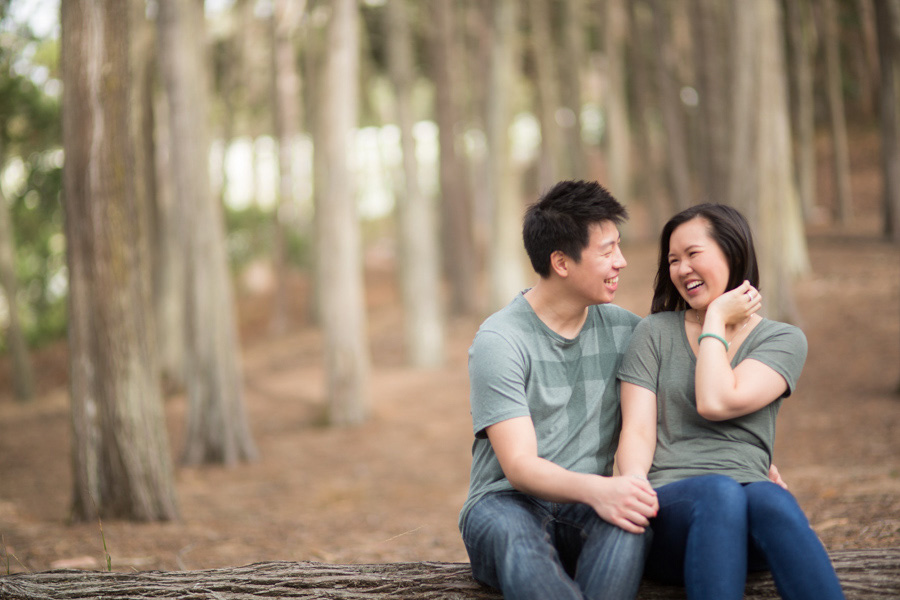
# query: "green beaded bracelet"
713,335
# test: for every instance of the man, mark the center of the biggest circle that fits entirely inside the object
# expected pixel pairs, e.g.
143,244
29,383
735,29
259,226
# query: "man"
544,517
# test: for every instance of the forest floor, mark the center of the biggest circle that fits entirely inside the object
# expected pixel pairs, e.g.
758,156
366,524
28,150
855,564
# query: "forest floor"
390,490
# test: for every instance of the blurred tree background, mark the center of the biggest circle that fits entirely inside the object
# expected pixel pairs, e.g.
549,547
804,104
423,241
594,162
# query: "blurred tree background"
269,139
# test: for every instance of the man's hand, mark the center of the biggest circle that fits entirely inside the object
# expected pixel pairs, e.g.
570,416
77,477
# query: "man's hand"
626,502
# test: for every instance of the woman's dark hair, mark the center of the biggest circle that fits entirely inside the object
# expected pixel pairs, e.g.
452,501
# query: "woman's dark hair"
561,220
729,229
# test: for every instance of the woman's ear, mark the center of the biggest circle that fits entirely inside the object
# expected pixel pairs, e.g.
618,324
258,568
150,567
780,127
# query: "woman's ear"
559,263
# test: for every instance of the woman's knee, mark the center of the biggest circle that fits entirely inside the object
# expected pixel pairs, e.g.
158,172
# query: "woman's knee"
706,499
721,493
772,504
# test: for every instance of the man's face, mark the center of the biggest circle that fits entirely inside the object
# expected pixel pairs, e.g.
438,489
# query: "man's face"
596,275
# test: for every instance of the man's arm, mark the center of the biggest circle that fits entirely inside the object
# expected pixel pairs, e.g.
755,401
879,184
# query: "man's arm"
626,502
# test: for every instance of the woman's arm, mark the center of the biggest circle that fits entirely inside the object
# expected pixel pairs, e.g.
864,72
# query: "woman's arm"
722,392
637,442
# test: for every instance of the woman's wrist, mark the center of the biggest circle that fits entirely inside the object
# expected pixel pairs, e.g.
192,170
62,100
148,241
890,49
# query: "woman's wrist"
714,322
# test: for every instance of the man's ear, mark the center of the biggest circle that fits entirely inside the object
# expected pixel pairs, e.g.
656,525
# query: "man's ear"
559,263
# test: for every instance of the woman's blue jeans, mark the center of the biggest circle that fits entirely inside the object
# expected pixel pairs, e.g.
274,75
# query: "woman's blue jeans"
711,529
529,548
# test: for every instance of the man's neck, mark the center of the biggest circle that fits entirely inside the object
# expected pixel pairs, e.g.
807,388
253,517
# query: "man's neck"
557,309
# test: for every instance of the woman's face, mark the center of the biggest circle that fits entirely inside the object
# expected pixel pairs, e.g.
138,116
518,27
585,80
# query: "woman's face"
697,266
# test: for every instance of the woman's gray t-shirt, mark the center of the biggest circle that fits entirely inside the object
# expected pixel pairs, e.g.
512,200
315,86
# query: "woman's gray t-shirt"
660,359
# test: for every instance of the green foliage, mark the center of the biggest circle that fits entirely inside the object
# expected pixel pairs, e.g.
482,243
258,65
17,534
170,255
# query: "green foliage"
251,235
37,222
30,140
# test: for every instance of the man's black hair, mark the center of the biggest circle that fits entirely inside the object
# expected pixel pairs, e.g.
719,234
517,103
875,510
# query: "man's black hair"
561,220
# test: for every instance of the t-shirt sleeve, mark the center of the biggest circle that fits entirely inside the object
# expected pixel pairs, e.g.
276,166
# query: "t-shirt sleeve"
497,375
640,365
784,351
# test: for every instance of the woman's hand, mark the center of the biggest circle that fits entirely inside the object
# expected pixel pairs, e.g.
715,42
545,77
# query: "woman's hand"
737,305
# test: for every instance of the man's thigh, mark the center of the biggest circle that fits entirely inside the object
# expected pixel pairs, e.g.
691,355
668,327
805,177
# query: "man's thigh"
503,524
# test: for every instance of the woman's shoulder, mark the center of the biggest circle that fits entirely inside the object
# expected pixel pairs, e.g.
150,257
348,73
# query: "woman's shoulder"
775,334
771,327
666,319
660,325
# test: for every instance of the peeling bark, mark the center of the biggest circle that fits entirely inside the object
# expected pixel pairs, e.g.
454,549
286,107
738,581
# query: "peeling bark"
864,574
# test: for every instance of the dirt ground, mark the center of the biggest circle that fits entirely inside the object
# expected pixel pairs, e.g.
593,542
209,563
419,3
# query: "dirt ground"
390,490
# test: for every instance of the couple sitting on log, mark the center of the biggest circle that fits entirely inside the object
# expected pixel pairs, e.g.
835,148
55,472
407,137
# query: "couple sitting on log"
566,387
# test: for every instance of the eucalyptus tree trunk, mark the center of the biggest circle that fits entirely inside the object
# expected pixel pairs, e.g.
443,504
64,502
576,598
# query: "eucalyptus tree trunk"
770,196
677,163
801,42
339,244
618,128
711,23
456,213
506,257
648,137
571,60
217,428
888,21
23,379
743,182
864,574
836,116
419,256
866,57
286,15
120,452
546,83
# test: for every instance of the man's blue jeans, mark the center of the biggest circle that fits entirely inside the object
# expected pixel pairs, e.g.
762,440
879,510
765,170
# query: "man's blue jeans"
710,529
529,548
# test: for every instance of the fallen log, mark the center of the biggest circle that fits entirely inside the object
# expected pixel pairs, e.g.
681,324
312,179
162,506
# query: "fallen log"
865,574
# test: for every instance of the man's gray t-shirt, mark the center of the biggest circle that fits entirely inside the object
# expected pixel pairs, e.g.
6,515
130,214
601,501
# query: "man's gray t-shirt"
519,367
661,360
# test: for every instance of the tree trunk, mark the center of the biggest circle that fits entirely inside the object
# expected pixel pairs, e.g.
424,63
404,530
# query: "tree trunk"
143,123
120,452
743,182
419,256
618,125
571,60
677,165
23,380
801,42
169,279
506,257
339,244
865,58
286,96
545,82
864,575
711,23
775,206
217,429
456,212
834,82
888,20
648,143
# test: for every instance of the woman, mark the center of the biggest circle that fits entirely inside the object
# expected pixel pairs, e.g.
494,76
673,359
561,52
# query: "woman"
702,382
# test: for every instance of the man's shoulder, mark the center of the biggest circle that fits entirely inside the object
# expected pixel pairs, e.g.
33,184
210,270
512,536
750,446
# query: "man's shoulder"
511,318
615,315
